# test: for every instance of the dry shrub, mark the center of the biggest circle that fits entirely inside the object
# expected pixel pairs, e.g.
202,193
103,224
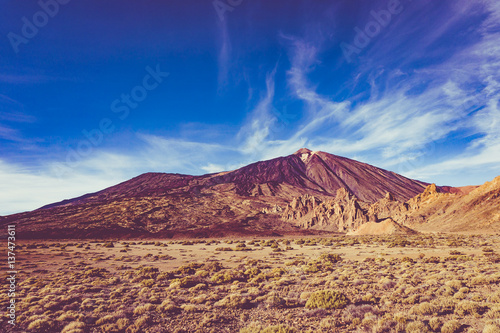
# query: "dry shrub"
168,306
464,308
142,309
327,299
106,319
189,269
142,322
147,272
74,327
328,323
198,287
445,304
494,298
148,283
41,325
227,276
369,298
233,301
352,312
454,284
493,313
387,283
199,299
118,327
95,272
435,323
480,280
202,273
274,301
213,266
185,282
451,326
416,327
189,307
70,316
424,308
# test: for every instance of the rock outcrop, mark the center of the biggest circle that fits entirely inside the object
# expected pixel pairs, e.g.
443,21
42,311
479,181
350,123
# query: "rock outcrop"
385,227
342,213
338,214
432,210
385,208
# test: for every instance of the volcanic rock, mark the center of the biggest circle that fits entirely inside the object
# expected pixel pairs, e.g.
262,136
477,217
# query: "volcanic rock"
385,227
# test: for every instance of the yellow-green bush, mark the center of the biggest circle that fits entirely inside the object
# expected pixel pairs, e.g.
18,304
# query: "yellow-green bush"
464,308
142,309
424,308
435,323
233,301
416,327
74,327
327,299
227,276
185,282
41,325
168,306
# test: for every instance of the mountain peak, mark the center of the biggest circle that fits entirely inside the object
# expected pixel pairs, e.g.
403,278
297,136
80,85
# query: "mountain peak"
302,151
304,154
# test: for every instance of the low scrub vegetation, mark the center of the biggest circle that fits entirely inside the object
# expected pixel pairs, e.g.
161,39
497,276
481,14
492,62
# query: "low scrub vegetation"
420,283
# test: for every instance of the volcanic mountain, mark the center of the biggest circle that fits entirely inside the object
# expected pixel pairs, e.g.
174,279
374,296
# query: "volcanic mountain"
243,201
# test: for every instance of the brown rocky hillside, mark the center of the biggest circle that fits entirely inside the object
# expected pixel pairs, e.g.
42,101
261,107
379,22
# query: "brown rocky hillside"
430,211
234,202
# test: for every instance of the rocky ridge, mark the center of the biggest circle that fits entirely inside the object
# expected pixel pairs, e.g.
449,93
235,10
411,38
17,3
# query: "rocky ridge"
432,210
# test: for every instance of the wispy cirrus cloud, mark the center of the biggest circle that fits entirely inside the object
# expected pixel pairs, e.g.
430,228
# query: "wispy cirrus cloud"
12,113
178,155
255,132
224,57
30,78
479,65
320,109
44,187
407,111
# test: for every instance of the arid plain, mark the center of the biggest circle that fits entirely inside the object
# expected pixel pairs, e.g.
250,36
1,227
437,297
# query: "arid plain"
418,283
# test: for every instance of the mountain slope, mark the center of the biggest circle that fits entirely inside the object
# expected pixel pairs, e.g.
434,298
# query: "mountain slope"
316,173
163,205
475,212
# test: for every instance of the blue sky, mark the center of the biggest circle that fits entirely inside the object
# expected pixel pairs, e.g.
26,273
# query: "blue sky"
93,93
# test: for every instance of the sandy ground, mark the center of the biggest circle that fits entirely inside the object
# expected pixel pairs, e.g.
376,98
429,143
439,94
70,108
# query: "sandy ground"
384,277
51,259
